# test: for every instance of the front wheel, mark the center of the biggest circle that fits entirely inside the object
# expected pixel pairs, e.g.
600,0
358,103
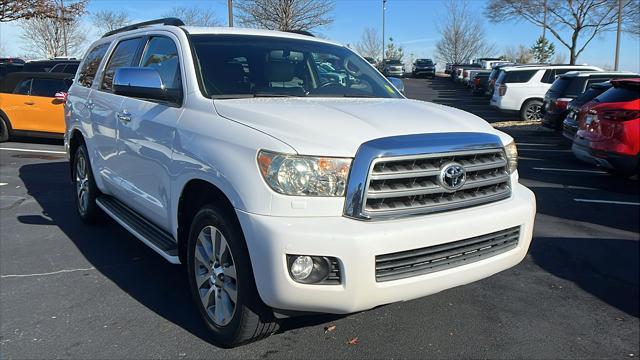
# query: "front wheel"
531,111
4,130
222,281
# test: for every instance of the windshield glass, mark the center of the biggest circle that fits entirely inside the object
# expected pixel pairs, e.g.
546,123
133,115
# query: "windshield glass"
394,62
424,62
237,66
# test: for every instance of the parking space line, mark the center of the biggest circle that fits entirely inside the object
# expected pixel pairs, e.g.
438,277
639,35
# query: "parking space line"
3,184
570,170
34,150
545,150
45,274
607,202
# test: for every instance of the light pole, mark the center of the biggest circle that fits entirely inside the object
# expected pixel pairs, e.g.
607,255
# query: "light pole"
617,61
384,7
230,9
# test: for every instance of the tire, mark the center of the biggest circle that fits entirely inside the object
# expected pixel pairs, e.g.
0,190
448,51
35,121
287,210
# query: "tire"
211,278
531,110
4,130
85,186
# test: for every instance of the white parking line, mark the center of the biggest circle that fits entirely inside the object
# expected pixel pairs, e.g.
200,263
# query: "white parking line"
45,274
3,184
571,170
607,202
545,150
34,150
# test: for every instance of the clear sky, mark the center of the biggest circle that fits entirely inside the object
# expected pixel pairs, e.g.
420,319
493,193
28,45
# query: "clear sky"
412,23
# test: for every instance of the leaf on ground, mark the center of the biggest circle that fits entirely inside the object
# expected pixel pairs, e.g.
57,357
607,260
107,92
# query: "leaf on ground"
353,341
329,328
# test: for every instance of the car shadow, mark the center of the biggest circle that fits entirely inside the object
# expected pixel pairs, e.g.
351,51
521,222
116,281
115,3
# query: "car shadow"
605,268
128,263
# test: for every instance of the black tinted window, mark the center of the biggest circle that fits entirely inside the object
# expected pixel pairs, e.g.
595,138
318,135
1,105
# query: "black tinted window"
162,55
519,76
123,56
90,65
23,88
561,84
71,69
38,66
619,95
49,87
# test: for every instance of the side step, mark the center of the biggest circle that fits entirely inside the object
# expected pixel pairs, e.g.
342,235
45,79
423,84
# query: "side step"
157,239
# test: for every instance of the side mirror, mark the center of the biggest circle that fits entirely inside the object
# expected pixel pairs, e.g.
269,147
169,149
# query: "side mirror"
398,83
143,83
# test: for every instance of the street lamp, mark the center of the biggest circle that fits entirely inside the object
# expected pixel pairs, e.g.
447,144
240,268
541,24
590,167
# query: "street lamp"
384,7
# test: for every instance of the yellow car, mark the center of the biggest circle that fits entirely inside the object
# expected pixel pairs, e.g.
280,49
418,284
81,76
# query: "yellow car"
32,104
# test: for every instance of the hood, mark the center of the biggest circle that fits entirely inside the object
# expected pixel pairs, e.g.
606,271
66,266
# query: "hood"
337,127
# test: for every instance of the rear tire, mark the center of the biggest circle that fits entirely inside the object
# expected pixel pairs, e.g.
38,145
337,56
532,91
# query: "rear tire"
222,282
531,110
4,130
85,186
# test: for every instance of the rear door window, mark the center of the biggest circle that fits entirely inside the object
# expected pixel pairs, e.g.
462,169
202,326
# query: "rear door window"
619,95
49,87
23,88
123,56
91,63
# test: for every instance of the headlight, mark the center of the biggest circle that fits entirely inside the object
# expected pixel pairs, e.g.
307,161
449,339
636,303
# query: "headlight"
512,156
304,175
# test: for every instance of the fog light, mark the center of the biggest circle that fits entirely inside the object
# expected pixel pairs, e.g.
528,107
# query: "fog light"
301,267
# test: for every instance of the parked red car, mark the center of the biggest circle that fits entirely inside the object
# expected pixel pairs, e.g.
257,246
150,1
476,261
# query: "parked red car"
609,132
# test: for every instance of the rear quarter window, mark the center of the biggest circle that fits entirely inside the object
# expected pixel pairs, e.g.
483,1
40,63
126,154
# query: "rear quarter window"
521,76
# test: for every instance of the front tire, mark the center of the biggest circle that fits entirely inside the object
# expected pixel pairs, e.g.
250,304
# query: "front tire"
85,186
4,130
222,282
531,111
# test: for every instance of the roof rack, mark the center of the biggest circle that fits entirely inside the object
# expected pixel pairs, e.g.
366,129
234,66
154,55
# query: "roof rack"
164,21
300,32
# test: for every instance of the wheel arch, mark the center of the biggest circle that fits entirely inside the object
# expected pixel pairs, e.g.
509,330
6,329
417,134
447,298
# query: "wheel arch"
76,138
528,100
4,117
195,194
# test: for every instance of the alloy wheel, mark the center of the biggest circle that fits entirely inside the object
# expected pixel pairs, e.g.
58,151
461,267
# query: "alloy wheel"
82,183
533,112
215,275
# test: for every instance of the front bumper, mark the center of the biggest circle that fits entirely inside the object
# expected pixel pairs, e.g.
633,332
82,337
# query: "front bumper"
399,73
356,243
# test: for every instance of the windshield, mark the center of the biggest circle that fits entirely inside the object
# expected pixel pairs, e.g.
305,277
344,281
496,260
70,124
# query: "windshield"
394,62
237,66
424,62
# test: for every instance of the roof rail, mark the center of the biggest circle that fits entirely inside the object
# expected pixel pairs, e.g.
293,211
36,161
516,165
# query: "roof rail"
164,21
300,32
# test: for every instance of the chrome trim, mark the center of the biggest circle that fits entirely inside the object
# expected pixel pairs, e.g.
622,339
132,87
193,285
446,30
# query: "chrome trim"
414,146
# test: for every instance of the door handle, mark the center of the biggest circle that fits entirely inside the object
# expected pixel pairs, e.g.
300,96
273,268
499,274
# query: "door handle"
29,103
124,116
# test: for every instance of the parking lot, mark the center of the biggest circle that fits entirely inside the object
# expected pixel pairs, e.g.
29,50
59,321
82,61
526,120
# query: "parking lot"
69,290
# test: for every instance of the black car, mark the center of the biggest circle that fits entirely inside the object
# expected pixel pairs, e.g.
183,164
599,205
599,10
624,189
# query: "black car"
66,68
567,87
46,65
10,65
571,122
423,67
479,83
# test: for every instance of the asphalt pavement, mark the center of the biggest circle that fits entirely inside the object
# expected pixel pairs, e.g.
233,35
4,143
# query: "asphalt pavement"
74,291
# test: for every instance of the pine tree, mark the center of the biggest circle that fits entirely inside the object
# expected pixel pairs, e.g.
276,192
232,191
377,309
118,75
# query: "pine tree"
543,50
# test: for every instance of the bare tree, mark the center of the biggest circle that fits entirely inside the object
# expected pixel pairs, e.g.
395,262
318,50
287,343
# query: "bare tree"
370,44
582,20
285,14
518,54
109,20
560,58
194,16
43,37
462,34
11,10
393,52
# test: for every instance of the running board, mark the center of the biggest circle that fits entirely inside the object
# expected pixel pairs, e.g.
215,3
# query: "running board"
154,237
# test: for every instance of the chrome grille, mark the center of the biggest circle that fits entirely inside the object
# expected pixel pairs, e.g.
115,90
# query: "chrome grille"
426,260
409,184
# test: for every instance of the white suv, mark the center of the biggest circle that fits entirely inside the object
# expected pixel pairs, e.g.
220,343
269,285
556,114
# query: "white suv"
522,88
283,190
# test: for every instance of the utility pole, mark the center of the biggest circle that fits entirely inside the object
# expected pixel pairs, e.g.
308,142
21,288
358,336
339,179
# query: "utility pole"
617,61
64,28
384,7
544,27
230,9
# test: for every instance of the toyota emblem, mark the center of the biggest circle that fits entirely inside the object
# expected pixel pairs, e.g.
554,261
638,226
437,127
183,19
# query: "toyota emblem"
452,176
